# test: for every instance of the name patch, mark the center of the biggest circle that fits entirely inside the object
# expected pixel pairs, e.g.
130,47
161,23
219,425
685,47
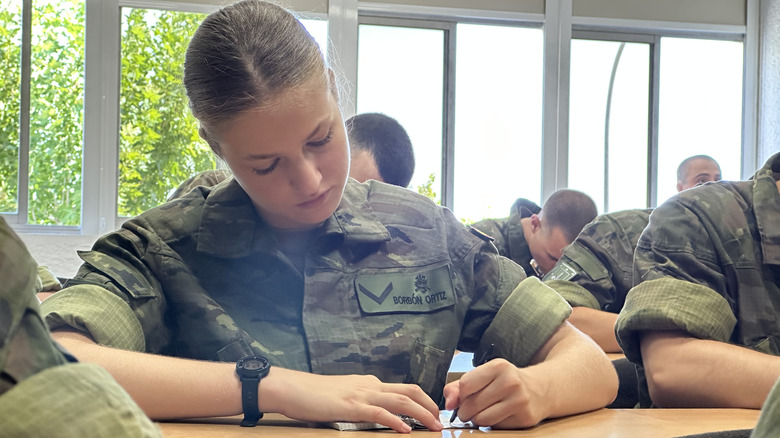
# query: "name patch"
406,292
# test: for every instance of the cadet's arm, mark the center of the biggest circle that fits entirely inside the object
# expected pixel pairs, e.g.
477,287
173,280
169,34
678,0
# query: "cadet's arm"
578,376
683,371
597,324
169,388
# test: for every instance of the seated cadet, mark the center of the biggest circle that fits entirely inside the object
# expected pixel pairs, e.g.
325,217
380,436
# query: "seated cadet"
380,149
697,170
533,237
43,391
596,271
702,322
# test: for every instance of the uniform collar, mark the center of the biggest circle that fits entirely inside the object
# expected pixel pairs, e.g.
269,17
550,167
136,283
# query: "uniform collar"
230,226
766,205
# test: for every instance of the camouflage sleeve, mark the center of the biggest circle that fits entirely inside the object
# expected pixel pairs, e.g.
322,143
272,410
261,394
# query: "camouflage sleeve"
672,304
49,282
116,296
73,400
525,322
90,309
678,287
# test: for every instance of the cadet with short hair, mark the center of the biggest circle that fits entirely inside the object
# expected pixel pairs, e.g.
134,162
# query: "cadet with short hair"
380,149
596,272
533,237
697,170
44,391
702,320
291,288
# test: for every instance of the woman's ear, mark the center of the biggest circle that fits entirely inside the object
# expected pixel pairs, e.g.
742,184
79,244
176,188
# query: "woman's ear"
212,144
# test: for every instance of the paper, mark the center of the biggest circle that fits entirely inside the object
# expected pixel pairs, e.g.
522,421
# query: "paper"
444,418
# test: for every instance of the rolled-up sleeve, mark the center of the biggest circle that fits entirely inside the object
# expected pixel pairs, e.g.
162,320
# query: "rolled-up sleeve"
672,304
526,320
96,311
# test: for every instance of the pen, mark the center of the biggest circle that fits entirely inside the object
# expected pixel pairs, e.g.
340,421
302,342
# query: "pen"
485,357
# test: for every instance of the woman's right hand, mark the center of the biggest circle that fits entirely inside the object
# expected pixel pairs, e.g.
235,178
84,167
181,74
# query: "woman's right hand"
318,398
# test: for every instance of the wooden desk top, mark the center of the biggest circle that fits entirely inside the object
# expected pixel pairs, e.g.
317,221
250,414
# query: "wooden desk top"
612,423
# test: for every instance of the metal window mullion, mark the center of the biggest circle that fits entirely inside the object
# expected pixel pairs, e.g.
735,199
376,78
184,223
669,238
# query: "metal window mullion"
448,122
23,174
750,80
653,118
557,62
100,164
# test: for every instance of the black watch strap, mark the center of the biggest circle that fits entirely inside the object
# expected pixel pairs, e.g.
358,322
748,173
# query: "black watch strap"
252,413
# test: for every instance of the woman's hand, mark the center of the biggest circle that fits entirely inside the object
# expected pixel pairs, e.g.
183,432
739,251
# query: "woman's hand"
497,394
312,397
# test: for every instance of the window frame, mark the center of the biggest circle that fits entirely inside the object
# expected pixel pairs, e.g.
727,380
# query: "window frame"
101,98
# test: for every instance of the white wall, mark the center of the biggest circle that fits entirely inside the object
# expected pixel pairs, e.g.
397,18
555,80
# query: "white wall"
58,253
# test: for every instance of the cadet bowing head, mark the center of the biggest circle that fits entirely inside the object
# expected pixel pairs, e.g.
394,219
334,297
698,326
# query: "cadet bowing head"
267,104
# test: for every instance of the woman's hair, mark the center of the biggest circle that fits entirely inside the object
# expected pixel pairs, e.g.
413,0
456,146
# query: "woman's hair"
245,55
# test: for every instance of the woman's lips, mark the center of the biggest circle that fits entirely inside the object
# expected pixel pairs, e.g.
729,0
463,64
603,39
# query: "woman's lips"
316,201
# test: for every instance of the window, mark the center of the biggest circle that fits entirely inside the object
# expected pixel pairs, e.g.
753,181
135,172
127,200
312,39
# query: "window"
700,107
401,74
608,115
611,149
498,130
41,117
159,145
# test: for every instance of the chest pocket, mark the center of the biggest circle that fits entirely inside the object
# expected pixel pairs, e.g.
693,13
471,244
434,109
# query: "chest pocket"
406,292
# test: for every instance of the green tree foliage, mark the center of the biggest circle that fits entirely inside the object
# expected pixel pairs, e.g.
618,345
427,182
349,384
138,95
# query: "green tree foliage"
159,142
10,57
56,112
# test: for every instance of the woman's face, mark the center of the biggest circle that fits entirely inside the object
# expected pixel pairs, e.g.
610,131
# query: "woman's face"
291,156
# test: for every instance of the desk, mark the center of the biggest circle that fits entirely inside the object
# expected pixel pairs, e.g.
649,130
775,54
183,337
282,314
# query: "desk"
603,423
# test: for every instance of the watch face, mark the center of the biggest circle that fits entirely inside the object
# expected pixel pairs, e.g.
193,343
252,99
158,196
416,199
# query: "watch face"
253,364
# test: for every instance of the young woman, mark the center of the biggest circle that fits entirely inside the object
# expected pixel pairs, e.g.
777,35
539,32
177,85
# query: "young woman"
355,294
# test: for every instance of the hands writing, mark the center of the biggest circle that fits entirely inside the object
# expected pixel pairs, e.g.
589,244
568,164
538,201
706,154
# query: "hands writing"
311,397
497,394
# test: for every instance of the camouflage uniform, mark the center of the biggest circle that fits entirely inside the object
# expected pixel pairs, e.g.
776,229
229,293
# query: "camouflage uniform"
597,269
508,233
389,285
42,392
207,178
709,264
768,425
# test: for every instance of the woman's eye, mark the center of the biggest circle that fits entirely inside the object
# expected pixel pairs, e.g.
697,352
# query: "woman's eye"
324,141
268,169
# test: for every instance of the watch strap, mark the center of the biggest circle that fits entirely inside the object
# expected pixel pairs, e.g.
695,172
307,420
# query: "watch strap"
252,412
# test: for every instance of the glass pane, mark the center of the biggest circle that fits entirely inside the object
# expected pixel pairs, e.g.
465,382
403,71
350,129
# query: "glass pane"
56,112
159,144
700,107
10,85
498,129
319,30
400,74
618,105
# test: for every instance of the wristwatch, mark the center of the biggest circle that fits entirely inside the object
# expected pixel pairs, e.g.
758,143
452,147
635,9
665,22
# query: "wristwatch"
251,369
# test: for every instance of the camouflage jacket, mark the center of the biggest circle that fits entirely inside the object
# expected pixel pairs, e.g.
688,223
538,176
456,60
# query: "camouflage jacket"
392,284
708,264
597,269
508,233
41,393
